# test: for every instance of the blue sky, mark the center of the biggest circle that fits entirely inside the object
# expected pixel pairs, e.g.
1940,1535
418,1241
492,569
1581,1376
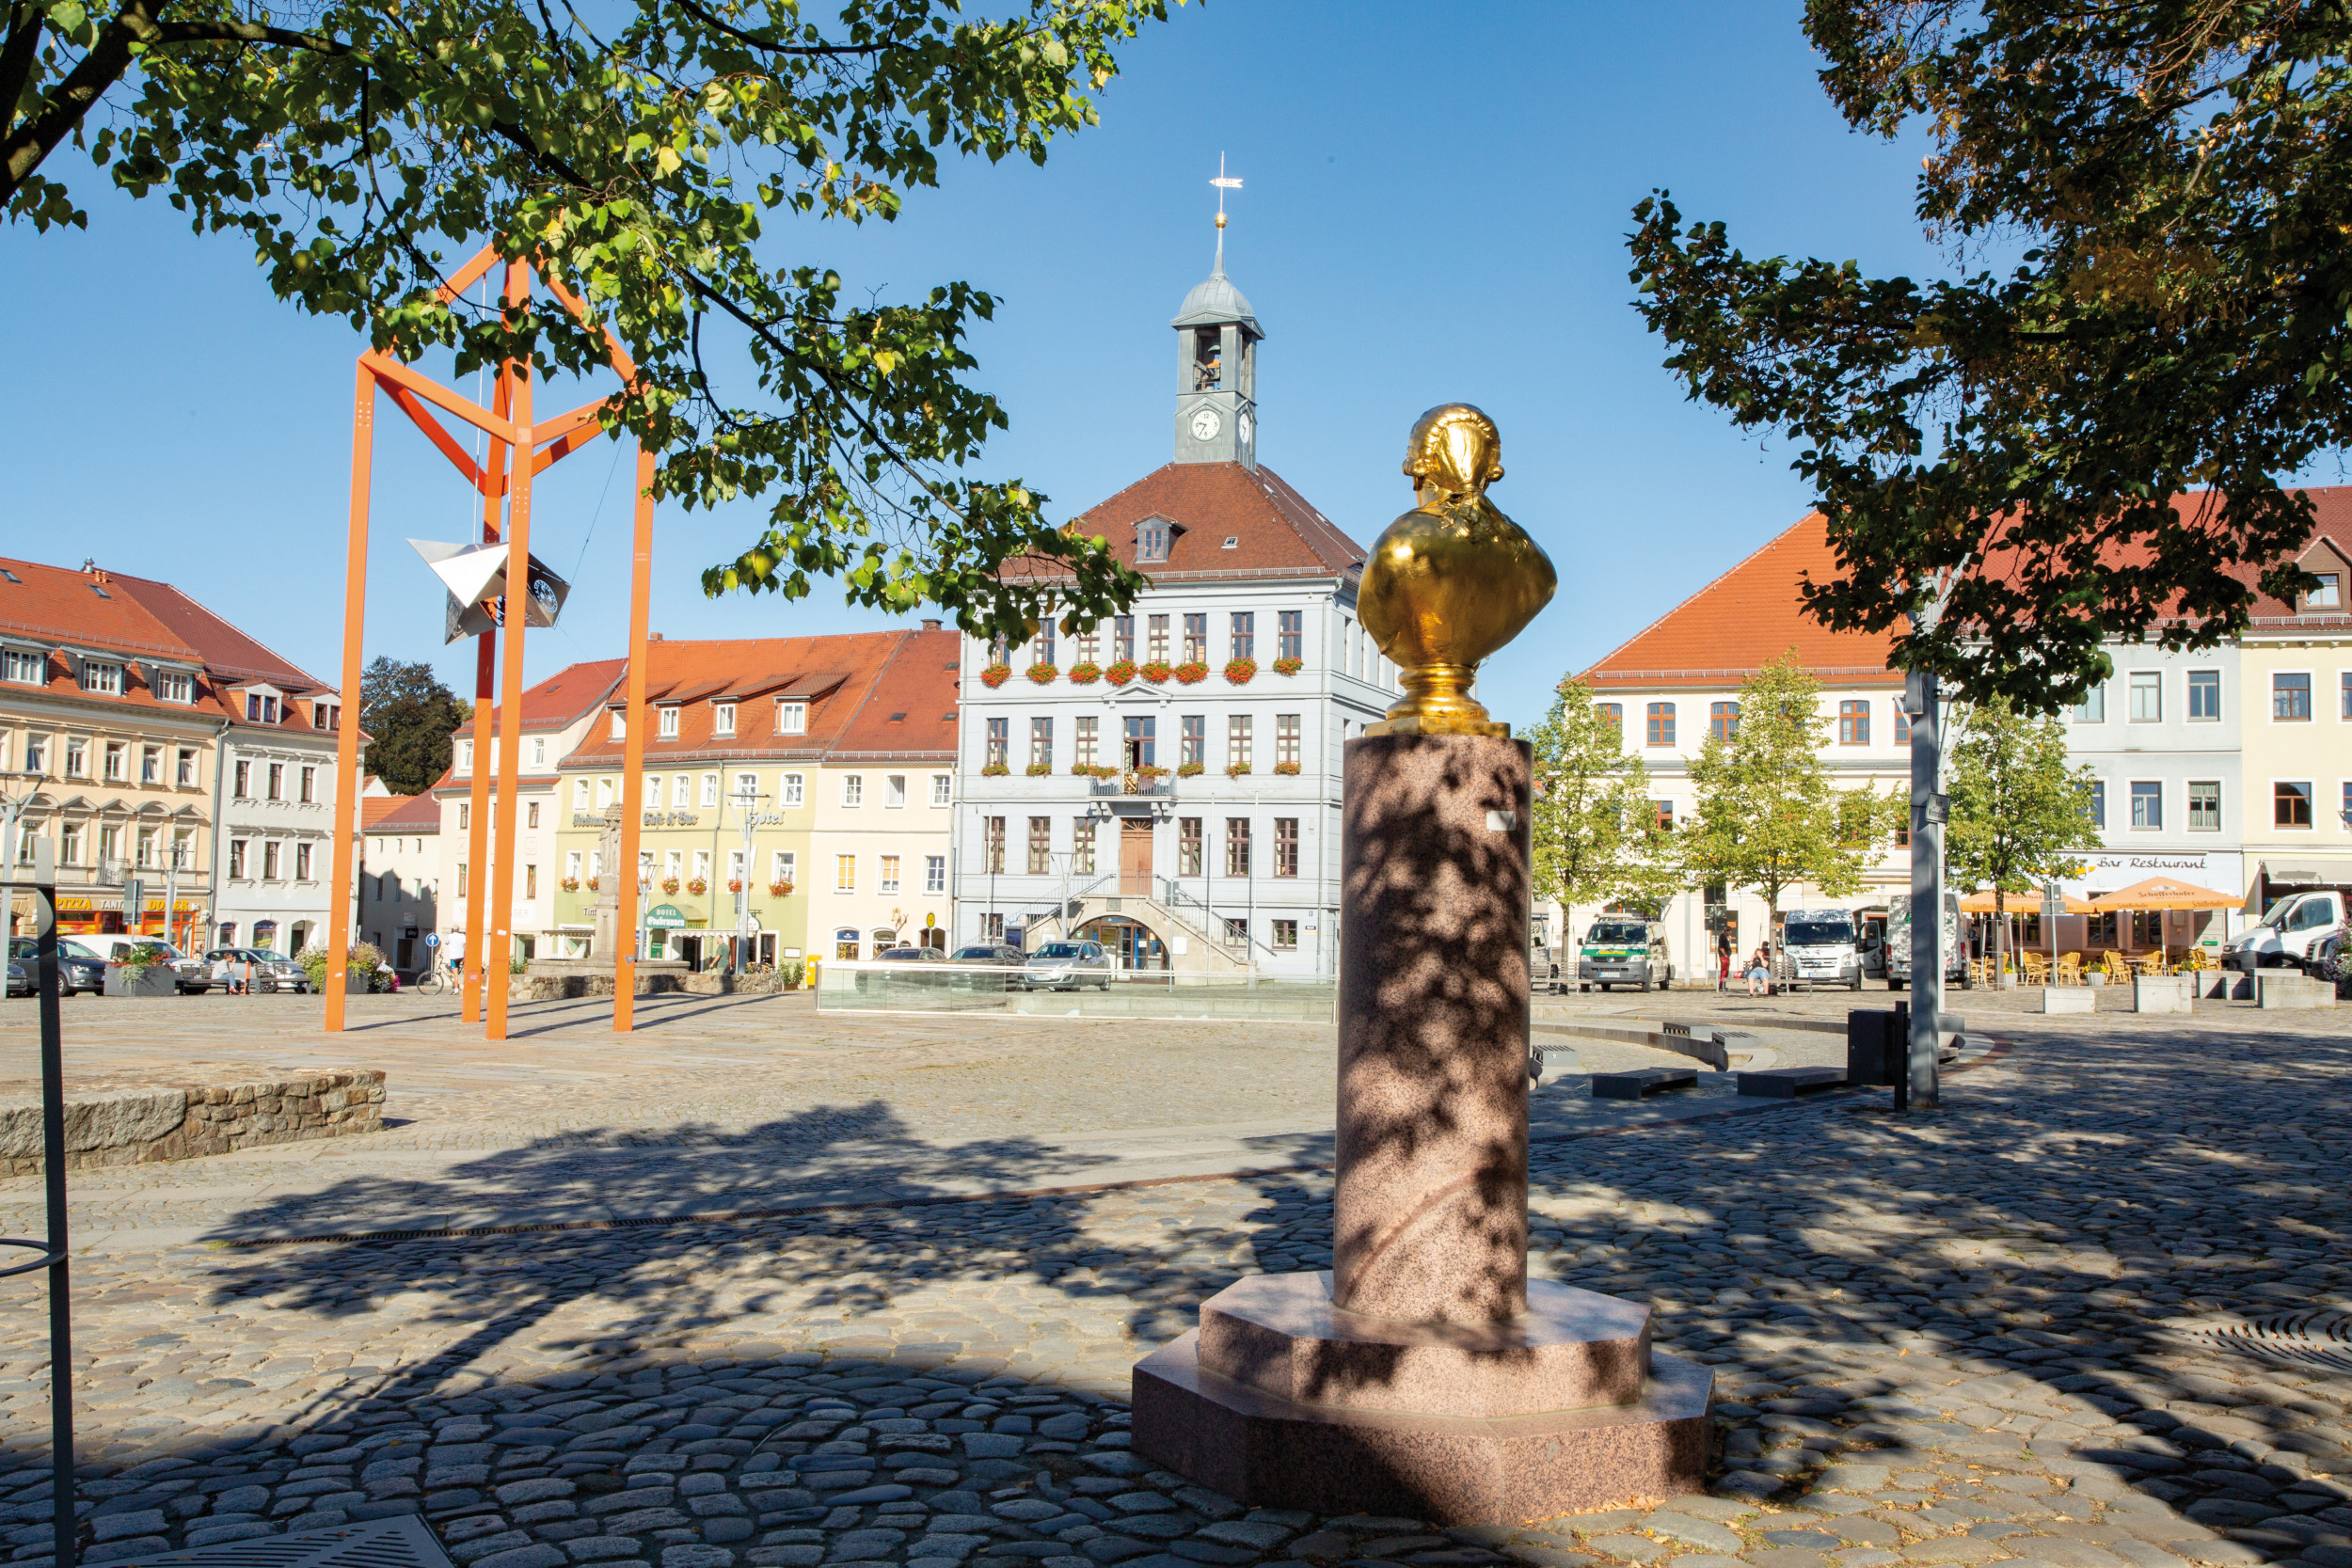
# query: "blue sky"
1434,209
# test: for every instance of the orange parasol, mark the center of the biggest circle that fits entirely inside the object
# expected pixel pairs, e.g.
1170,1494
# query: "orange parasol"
2022,903
2163,892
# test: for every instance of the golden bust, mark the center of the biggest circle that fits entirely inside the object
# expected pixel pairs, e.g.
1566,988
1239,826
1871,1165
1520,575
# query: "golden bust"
1452,580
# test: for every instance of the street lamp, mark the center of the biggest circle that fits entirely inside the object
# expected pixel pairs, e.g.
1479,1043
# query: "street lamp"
745,799
12,806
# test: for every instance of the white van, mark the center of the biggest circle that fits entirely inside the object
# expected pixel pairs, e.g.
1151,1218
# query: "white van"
110,946
2290,929
1820,947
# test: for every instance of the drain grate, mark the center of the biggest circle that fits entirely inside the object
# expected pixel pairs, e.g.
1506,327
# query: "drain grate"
402,1542
2304,1338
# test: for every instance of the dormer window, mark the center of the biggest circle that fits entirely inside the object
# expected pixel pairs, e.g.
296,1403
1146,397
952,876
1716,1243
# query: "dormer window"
791,718
175,686
1152,539
25,667
723,718
326,716
669,722
2328,595
620,723
101,678
260,707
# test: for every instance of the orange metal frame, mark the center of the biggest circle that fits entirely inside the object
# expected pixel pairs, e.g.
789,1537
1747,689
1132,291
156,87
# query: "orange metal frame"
508,424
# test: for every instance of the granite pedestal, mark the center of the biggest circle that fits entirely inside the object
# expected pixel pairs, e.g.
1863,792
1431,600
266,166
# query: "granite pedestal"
1426,1375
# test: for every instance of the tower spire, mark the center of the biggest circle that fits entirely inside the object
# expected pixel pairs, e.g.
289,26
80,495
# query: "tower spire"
1216,361
1223,184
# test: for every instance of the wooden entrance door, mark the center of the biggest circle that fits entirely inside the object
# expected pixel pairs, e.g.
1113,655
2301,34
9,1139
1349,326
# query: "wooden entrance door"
1135,856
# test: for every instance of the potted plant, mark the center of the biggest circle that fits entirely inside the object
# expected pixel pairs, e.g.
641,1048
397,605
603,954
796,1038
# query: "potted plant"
1238,670
1286,769
1289,666
361,964
1121,672
669,884
569,884
697,887
778,890
1154,670
1039,769
996,675
1191,672
995,770
595,882
735,884
141,971
1235,769
1189,771
1043,673
1085,672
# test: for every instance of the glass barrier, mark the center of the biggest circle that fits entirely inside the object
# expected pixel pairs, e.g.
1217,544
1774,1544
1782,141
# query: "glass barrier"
1050,989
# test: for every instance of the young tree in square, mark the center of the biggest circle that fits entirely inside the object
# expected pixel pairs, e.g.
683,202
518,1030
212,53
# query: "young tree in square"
1767,816
1598,837
2017,809
634,151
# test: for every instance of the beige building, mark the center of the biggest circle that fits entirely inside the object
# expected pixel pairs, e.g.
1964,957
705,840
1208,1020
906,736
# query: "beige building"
2296,665
399,873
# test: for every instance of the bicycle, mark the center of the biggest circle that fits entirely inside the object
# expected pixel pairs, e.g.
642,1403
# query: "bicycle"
433,982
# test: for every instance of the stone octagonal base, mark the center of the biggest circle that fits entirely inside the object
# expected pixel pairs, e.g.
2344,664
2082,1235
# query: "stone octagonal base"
1275,1452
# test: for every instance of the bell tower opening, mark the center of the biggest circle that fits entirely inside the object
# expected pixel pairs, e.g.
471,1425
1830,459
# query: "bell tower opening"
1217,370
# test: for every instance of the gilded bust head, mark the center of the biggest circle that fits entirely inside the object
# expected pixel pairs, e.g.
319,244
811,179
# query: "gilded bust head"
1455,449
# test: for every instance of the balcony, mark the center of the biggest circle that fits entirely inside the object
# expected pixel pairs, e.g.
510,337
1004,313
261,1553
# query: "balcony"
1134,786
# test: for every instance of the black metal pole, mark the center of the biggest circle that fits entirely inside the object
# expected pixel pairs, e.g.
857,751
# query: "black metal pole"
1902,1043
52,1167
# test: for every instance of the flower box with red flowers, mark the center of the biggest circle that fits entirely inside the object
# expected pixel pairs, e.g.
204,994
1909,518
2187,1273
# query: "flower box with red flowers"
1286,769
1190,770
1121,673
697,887
1192,673
1289,666
1085,672
595,882
780,890
995,770
995,674
736,885
1156,671
1235,769
1238,670
569,884
1039,769
669,884
1045,675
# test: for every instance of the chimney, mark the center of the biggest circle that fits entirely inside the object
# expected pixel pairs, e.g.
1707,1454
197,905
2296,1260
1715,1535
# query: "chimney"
89,565
653,636
930,625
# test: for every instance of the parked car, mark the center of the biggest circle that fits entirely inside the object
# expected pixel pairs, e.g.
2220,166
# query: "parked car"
111,946
271,971
911,955
1067,966
78,968
991,954
20,977
1624,950
2288,934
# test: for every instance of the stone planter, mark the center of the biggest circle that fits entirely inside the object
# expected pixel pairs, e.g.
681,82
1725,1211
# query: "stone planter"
2093,977
154,981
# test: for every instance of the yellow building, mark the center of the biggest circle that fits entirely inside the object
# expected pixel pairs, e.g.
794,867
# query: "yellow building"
2296,663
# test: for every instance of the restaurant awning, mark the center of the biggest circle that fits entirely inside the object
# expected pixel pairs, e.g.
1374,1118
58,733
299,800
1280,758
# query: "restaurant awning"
2022,903
2164,893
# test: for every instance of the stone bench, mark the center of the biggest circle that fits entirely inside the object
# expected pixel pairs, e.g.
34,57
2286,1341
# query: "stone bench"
2162,993
2069,999
1787,1082
1633,1086
2277,989
136,1126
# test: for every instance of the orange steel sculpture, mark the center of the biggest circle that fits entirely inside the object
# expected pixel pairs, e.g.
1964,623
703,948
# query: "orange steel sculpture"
510,429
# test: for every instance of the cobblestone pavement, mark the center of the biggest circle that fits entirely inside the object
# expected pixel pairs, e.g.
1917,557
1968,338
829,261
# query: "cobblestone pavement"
1998,1331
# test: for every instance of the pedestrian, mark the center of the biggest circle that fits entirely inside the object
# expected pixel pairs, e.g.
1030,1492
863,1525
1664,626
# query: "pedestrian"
1758,974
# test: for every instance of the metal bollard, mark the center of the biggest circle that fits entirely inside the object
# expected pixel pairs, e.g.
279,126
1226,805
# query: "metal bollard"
1903,1056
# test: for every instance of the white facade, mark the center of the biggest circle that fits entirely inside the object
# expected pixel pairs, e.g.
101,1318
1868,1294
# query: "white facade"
276,825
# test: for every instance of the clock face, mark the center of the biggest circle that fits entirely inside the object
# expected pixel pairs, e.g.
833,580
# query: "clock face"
1206,424
1242,425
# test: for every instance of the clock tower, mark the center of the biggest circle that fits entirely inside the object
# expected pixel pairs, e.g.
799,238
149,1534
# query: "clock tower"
1217,371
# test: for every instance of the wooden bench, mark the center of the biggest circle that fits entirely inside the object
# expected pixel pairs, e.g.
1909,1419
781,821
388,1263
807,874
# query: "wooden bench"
1633,1086
1787,1082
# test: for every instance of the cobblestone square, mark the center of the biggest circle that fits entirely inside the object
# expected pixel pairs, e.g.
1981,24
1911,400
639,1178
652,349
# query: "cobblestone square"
2080,1316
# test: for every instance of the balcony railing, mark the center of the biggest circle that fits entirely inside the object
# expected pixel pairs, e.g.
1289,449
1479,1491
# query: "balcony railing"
1134,783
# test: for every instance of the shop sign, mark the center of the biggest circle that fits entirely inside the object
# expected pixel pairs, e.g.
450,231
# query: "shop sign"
664,917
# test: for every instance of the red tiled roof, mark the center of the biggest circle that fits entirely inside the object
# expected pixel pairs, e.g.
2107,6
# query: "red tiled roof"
62,605
1745,619
575,689
403,814
911,711
1276,531
225,650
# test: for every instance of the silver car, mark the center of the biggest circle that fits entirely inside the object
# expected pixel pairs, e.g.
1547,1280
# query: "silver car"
1067,966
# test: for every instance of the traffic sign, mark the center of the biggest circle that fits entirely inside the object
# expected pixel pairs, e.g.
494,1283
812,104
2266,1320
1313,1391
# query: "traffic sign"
433,938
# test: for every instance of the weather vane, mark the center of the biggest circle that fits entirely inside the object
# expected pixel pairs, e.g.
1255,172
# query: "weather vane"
1223,184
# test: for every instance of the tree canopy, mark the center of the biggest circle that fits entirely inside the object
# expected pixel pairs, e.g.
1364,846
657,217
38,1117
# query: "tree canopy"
1596,834
364,148
410,717
2176,181
2018,812
1767,816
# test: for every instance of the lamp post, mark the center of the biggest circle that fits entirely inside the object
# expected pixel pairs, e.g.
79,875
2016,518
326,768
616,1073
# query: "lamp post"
745,799
12,806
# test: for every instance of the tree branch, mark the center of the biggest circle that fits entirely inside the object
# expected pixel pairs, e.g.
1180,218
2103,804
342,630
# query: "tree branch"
16,59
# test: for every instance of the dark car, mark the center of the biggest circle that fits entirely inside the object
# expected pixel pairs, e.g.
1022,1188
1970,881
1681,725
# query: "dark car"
911,955
20,979
269,970
1001,955
78,968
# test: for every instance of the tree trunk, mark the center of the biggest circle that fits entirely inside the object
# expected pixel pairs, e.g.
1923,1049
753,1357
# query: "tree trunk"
2000,934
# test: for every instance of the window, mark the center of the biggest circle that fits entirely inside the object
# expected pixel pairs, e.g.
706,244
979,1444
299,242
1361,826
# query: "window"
1196,638
844,945
1286,846
746,791
326,716
150,765
711,790
276,789
1090,730
37,758
1041,743
530,813
852,790
2093,709
1244,634
242,786
676,866
2147,803
993,845
270,851
1663,813
1285,935
620,724
1286,741
2343,686
1082,845
2291,805
665,723
1041,645
175,686
794,792
119,760
2205,694
186,775
76,757
1237,739
1188,857
943,786
2099,804
2147,696
106,680
1141,747
999,742
1854,722
894,789
571,866
68,844
2327,596
109,843
145,853
791,718
723,719
464,815
935,873
1237,847
1155,638
1662,723
1290,636
1040,846
538,750
1123,637
1612,715
889,873
461,878
2291,696
1902,725
681,792
236,864
1722,721
2205,806
302,862
845,873
464,758
1085,647
1237,931
310,786
1152,539
30,669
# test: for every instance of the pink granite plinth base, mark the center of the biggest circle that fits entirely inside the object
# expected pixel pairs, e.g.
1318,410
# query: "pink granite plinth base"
1274,1453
